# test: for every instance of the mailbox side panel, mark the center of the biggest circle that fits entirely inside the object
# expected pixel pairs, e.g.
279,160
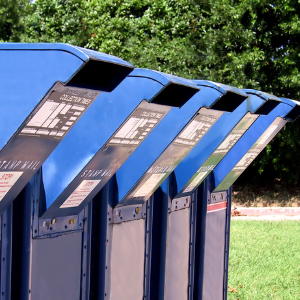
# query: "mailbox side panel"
177,258
214,248
55,267
127,260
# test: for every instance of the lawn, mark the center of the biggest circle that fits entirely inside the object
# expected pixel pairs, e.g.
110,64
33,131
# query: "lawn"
264,260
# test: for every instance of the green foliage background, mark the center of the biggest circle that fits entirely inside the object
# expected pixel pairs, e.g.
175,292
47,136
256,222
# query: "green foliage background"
244,43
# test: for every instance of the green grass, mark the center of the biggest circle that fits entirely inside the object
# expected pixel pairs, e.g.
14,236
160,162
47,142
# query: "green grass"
264,260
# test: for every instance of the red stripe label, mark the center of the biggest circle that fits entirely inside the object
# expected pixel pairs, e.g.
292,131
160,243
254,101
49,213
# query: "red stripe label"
216,206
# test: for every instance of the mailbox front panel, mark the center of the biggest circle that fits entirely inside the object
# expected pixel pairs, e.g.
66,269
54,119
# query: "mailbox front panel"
214,249
177,255
55,267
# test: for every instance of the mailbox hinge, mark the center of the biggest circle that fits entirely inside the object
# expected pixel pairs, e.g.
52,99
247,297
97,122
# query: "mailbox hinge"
129,213
180,203
218,197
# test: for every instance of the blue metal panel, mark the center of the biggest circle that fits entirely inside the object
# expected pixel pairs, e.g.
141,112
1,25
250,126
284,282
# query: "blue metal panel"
24,82
263,95
212,242
251,144
165,147
217,142
214,219
161,77
29,73
102,148
82,53
223,88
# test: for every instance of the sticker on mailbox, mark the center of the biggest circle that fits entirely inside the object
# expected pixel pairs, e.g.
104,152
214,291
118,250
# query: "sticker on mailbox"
195,181
59,111
7,180
141,122
80,193
249,157
267,134
196,129
236,133
149,185
253,152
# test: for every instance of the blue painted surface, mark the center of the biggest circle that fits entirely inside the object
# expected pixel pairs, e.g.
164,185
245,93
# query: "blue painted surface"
260,94
25,77
163,78
96,126
28,72
134,168
248,140
215,136
82,53
222,88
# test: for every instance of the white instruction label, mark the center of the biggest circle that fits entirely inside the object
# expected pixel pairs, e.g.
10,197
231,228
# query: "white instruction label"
195,182
7,180
49,116
246,160
60,110
230,141
80,193
190,131
197,128
149,185
134,131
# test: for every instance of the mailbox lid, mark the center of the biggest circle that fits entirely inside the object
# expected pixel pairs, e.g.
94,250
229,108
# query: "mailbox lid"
270,103
218,141
97,155
294,114
232,96
39,80
82,53
177,92
156,151
28,71
250,145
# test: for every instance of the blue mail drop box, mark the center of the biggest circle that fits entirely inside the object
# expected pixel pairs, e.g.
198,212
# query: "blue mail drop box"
178,205
215,208
112,130
45,89
59,247
130,226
